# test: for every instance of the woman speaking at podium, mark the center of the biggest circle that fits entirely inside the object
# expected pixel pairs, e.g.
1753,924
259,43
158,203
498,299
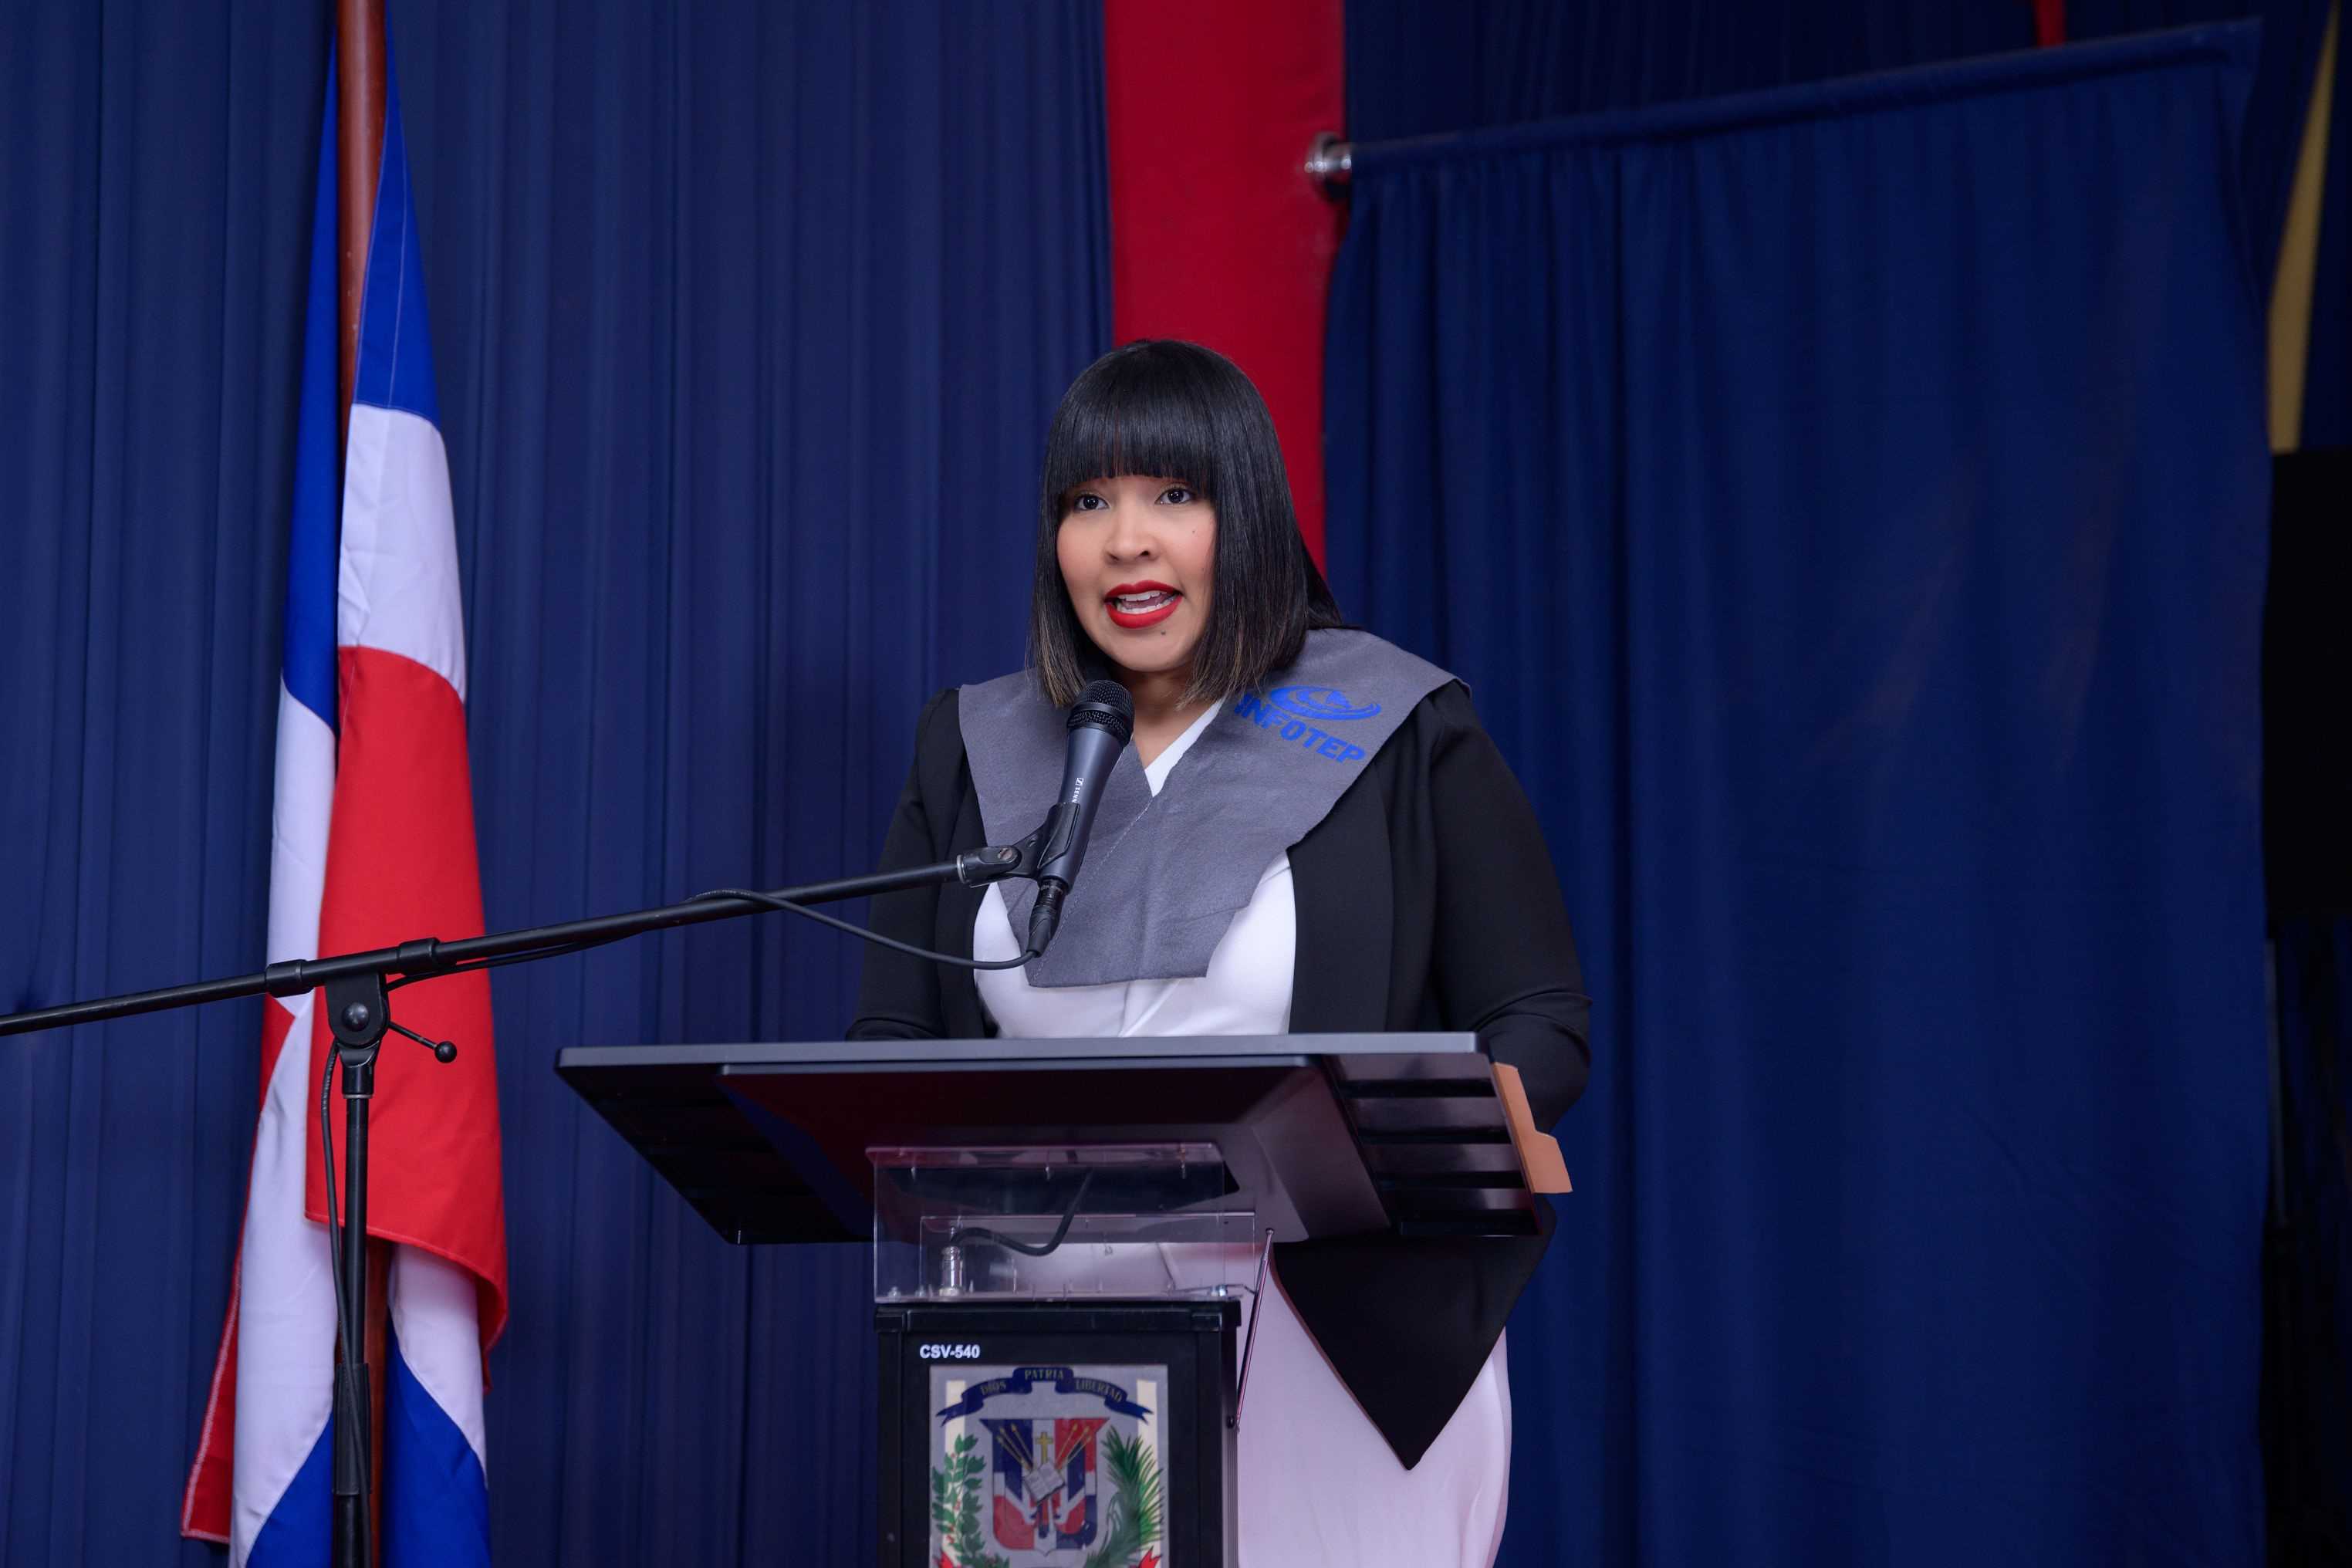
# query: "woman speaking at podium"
1332,843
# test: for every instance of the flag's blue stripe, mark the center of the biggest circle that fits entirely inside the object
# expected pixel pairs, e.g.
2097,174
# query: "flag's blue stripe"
295,1533
436,1502
395,361
308,659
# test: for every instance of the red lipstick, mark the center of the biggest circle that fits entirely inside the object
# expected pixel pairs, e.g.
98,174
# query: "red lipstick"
1155,610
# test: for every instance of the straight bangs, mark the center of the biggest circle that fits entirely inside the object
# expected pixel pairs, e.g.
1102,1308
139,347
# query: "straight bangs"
1138,415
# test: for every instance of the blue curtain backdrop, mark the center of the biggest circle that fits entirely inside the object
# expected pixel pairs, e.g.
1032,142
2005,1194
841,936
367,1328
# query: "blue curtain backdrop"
1848,506
1418,70
153,168
748,322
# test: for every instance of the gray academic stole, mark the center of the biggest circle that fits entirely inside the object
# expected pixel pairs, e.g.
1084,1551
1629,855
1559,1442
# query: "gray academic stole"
1166,874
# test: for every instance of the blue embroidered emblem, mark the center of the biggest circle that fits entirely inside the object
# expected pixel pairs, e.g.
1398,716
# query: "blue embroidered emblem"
1319,702
1265,716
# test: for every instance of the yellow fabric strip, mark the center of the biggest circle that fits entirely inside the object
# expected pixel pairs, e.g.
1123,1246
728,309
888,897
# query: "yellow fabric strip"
2290,324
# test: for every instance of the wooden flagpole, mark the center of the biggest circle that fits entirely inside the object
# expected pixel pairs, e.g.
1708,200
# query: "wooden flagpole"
358,151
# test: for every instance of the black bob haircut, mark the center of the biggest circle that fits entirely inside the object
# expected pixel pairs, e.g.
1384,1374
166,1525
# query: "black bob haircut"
1179,411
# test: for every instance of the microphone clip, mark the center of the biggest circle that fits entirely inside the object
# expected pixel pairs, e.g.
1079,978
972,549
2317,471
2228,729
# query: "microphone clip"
1002,862
1021,861
1059,837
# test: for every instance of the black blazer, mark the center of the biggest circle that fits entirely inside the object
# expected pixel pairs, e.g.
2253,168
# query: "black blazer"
1426,901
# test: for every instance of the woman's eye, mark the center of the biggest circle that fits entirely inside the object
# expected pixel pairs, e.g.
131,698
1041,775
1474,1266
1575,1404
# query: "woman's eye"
1088,500
1179,495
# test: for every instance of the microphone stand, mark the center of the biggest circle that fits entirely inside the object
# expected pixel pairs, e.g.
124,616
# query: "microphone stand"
359,1014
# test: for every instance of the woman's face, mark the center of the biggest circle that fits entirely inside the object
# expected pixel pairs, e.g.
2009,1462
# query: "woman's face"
1138,556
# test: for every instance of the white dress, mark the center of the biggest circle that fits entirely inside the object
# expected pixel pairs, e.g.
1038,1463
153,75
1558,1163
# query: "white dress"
1320,1485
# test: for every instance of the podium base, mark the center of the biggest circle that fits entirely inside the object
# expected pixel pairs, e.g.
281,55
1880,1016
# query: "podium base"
1053,1433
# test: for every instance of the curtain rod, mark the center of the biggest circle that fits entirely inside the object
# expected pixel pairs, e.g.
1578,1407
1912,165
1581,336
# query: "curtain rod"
1331,162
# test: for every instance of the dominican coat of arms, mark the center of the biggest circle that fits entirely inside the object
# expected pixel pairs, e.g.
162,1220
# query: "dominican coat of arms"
1047,1466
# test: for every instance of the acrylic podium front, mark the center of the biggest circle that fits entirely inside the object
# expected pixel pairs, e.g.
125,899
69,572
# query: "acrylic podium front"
1062,1232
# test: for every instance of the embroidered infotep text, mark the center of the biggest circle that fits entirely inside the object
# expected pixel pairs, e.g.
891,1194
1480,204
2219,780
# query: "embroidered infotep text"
1262,712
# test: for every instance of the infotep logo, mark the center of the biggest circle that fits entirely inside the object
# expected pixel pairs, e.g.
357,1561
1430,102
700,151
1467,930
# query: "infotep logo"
1319,702
1298,730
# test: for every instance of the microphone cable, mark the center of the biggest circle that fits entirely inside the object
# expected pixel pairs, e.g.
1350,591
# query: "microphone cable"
768,901
871,937
876,937
1046,1248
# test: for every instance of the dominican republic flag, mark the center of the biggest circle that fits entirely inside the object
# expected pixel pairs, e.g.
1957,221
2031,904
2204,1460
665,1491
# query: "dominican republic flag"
372,843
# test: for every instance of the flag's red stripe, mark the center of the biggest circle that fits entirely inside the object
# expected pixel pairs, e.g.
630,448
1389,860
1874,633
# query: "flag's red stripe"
276,1019
400,864
204,1507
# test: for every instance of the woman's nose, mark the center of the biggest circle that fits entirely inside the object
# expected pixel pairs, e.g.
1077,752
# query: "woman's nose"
1127,539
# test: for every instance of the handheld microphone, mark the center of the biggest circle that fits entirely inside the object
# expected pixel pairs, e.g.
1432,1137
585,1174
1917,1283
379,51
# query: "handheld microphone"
1100,722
